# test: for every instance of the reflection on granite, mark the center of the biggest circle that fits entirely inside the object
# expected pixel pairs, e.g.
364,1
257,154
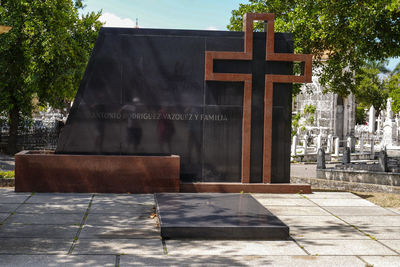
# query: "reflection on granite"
143,93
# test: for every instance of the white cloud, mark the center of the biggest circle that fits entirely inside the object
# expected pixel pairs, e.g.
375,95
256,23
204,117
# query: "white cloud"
212,28
113,20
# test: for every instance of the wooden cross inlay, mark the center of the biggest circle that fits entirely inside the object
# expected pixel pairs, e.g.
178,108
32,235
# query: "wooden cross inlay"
247,54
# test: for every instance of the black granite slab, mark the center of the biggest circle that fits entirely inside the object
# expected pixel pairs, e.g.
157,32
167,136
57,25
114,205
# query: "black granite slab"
144,93
217,216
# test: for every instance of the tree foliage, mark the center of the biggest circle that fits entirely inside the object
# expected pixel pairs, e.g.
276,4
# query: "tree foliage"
393,86
370,89
350,32
43,57
301,120
375,83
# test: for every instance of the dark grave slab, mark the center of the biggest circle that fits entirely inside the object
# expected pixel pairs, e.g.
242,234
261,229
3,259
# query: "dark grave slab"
217,216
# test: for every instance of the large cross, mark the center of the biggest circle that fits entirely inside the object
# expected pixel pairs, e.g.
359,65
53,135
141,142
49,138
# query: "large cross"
247,54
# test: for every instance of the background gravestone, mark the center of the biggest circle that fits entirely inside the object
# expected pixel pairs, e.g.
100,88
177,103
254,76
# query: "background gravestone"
144,93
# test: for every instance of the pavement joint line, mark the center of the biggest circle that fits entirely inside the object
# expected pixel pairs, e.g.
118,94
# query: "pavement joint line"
117,260
81,226
15,210
358,229
367,264
300,246
394,212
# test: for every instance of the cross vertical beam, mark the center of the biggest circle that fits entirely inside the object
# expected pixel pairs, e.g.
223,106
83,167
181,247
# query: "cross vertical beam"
270,79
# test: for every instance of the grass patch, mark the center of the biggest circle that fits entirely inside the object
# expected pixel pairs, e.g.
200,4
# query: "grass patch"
387,200
7,174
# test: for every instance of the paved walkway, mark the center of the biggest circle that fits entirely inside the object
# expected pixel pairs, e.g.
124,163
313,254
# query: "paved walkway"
6,163
327,229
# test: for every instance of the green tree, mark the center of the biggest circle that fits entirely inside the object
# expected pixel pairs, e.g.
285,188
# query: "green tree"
375,83
371,89
392,84
348,31
301,120
43,57
361,116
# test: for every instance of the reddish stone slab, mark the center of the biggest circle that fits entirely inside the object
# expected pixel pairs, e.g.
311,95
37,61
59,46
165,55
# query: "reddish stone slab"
245,188
39,171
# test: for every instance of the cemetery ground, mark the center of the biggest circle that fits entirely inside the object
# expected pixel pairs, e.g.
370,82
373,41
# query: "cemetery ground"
326,229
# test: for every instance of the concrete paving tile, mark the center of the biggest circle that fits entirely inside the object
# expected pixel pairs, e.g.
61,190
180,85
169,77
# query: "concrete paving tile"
52,208
11,197
396,210
232,247
372,221
382,232
286,202
284,196
118,219
279,261
122,208
120,231
331,232
297,211
8,208
138,247
34,246
59,198
393,244
6,190
128,199
310,221
387,261
344,247
3,216
331,195
39,231
57,260
343,202
46,218
353,211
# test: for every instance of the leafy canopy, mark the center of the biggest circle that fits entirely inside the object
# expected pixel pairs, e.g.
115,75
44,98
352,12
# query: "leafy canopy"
374,84
393,86
370,89
348,31
45,54
43,57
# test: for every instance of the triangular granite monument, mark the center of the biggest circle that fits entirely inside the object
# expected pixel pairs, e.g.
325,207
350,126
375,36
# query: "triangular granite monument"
220,101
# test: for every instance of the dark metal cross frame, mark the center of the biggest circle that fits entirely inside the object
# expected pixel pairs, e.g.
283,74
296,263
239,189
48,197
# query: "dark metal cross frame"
270,55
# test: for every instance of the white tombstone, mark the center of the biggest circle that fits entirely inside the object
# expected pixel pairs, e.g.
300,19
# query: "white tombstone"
371,121
389,126
349,142
372,148
361,144
379,120
329,143
305,144
337,146
294,145
389,113
319,141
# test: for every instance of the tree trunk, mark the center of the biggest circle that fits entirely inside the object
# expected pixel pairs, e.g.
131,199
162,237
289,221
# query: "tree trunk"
13,132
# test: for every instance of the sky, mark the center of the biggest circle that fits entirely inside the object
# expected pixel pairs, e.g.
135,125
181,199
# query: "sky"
172,14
